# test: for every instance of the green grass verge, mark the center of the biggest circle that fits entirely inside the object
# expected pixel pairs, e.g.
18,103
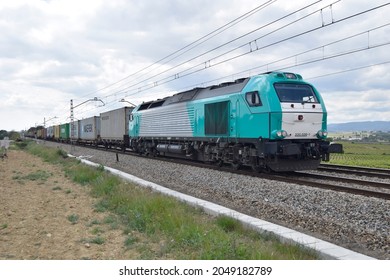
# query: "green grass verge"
160,227
374,155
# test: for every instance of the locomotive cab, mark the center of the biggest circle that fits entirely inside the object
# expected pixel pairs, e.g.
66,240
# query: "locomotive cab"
303,114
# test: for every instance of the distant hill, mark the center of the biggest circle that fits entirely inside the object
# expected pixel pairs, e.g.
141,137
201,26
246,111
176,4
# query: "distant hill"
360,126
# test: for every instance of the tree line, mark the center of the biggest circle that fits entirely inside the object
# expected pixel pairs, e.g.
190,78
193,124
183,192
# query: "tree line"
12,135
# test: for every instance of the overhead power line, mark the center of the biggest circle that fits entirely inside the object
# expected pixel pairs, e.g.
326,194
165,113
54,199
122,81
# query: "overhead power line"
209,65
348,70
192,45
251,44
180,74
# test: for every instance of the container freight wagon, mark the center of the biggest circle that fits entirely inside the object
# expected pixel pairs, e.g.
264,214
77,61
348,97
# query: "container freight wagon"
44,133
50,132
89,130
57,129
64,132
40,133
74,130
114,129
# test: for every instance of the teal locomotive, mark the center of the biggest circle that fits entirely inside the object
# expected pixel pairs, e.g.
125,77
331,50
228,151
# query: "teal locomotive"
272,121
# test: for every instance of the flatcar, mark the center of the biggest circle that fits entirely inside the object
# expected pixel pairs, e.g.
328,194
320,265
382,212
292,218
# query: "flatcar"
272,121
110,129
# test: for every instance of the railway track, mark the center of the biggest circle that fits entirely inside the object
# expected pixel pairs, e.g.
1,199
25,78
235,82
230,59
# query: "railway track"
356,170
330,182
367,188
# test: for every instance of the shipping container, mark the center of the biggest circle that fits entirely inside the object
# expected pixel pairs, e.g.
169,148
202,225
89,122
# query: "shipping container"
57,129
50,132
115,123
64,132
114,127
89,129
40,133
44,133
74,129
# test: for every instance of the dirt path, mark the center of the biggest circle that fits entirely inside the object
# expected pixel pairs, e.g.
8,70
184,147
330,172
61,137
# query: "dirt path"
45,216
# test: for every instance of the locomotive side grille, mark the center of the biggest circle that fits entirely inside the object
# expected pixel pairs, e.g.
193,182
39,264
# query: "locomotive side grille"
177,122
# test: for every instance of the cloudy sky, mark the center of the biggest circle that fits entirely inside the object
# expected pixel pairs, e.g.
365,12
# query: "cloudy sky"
52,51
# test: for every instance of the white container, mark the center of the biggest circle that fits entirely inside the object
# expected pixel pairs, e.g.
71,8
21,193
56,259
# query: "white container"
89,129
115,124
74,130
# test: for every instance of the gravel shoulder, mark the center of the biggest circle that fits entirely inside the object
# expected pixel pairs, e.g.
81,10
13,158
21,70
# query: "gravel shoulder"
358,223
45,216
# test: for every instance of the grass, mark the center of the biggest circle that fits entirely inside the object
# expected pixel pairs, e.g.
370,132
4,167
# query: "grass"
74,219
97,231
375,155
130,241
39,175
160,227
97,240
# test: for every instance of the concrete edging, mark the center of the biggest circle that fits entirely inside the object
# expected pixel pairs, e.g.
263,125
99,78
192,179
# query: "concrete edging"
326,249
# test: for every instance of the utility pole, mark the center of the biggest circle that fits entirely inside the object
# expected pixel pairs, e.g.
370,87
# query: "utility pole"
71,120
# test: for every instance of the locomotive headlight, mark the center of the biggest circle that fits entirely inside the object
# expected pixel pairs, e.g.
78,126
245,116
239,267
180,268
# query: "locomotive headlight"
322,134
279,134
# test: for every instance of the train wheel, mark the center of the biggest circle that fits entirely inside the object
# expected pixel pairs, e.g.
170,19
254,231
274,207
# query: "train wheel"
236,165
256,168
266,170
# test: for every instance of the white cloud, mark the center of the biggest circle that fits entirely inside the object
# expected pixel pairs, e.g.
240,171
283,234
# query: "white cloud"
56,50
351,106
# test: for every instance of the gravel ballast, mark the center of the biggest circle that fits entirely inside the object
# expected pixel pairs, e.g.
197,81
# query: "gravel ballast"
359,223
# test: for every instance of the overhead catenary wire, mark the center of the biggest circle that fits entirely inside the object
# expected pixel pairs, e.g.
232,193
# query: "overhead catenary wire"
193,44
348,70
286,39
172,78
312,61
179,75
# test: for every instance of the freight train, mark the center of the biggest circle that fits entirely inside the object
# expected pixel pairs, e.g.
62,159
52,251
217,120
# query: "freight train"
270,122
110,129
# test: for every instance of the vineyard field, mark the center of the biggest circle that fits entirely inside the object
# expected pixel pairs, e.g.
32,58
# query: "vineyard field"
374,155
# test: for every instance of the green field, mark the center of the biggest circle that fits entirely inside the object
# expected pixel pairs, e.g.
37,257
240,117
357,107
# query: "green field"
361,154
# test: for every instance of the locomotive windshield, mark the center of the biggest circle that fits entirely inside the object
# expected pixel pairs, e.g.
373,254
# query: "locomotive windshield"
295,93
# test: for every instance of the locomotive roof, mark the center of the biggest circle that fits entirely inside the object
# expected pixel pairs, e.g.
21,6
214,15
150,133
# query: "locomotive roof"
197,93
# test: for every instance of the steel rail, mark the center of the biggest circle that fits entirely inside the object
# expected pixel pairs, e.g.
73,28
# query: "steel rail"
356,170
